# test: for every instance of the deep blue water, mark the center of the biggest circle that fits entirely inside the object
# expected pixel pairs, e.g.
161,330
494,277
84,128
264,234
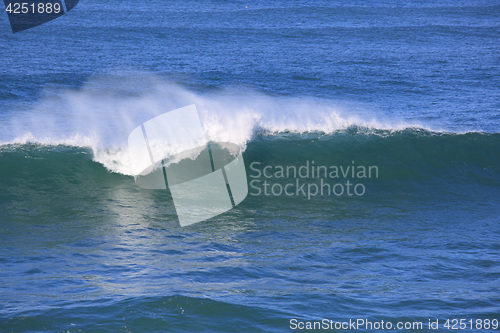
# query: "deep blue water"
412,88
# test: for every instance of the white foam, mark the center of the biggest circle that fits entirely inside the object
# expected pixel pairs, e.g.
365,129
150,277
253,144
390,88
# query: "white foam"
102,114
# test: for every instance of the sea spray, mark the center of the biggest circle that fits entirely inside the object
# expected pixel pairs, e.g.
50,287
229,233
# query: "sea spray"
102,113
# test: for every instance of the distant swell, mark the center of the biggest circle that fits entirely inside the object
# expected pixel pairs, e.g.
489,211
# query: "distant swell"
142,314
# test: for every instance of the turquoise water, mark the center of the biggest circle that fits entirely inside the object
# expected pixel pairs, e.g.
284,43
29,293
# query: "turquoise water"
411,89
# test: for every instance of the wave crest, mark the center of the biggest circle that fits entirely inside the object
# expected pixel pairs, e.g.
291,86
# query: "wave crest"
104,111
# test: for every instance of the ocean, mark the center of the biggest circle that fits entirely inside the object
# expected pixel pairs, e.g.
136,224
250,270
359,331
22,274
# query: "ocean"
370,133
